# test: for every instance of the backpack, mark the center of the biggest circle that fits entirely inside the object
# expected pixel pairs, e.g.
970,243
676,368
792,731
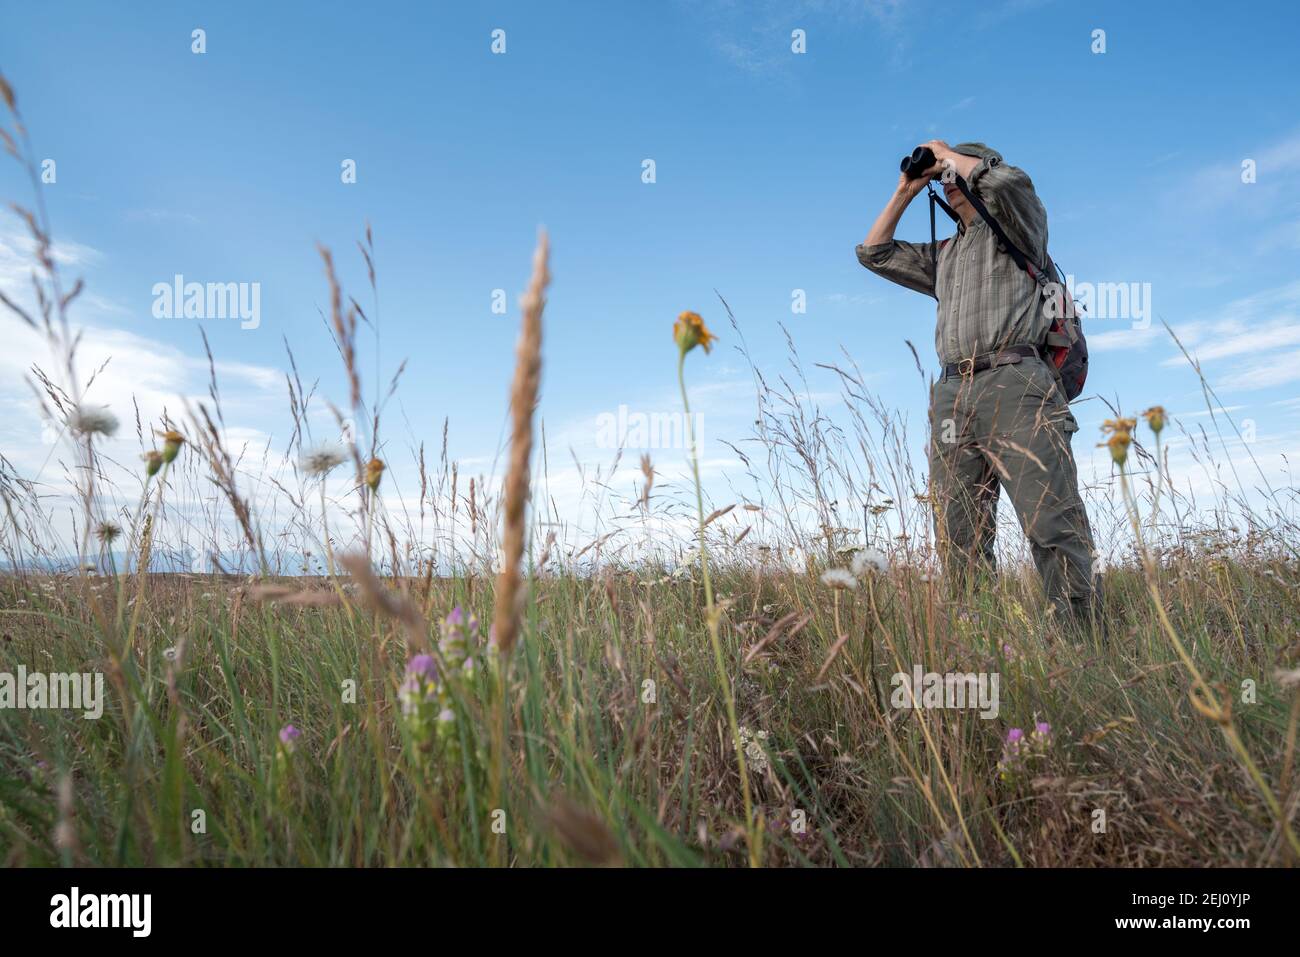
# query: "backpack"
1064,348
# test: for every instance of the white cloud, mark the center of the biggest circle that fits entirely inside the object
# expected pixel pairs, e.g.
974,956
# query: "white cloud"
1123,338
1269,369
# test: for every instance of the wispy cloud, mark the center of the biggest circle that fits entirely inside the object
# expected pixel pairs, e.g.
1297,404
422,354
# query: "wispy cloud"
157,216
755,36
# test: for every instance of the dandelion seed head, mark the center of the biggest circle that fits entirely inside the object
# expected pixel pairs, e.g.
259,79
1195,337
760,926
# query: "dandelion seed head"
99,420
322,459
839,578
869,560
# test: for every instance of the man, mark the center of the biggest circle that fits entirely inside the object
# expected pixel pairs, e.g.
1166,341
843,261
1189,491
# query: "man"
998,413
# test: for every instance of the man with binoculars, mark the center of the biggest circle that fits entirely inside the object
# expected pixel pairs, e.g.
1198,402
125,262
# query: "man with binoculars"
999,411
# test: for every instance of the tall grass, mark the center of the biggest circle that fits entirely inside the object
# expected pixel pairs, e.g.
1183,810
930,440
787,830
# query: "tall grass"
621,708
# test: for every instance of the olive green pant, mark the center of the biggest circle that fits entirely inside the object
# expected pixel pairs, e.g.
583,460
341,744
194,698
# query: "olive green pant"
1010,426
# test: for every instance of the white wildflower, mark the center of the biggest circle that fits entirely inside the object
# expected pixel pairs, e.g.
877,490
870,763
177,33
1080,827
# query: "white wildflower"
754,745
839,578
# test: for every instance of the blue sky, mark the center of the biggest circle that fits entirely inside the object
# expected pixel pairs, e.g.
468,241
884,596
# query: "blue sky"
770,167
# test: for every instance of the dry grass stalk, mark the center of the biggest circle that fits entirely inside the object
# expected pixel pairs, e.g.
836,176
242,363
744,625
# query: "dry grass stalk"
387,602
523,397
583,832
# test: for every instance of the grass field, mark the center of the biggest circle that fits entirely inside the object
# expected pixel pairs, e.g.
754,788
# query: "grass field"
453,680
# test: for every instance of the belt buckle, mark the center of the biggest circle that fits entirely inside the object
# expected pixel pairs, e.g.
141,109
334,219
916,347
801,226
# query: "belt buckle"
966,367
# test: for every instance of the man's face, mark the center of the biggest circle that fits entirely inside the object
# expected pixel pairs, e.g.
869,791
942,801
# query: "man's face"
957,200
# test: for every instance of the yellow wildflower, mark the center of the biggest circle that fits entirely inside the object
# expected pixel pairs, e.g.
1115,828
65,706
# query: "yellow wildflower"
172,442
1155,417
689,331
1121,437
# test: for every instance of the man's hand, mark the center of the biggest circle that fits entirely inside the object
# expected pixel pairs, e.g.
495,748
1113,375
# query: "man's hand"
882,231
946,158
909,189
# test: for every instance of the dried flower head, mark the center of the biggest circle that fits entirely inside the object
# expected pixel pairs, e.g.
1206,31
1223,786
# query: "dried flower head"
92,421
153,462
374,472
322,459
689,331
106,532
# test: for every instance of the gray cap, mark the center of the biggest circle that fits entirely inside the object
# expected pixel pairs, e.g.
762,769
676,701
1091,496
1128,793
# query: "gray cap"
978,150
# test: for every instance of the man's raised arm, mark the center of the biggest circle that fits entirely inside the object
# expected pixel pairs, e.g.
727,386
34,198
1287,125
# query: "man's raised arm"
908,264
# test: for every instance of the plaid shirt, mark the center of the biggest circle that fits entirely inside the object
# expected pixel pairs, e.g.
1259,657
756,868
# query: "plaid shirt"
985,302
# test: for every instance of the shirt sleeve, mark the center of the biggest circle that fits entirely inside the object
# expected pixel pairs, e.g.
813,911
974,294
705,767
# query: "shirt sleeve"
908,264
1008,192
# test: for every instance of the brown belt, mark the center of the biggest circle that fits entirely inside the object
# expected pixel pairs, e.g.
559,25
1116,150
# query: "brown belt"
1008,356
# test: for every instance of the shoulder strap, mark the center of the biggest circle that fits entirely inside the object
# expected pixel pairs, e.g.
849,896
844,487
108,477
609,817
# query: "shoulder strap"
1062,339
934,198
1012,249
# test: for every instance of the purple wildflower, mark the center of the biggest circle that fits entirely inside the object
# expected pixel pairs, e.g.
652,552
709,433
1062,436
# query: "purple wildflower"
422,667
1014,735
421,683
459,636
289,736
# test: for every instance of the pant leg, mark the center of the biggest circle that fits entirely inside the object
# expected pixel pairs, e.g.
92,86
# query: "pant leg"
1027,426
963,487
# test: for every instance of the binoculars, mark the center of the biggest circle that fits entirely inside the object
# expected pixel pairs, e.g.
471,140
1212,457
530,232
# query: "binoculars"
917,162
